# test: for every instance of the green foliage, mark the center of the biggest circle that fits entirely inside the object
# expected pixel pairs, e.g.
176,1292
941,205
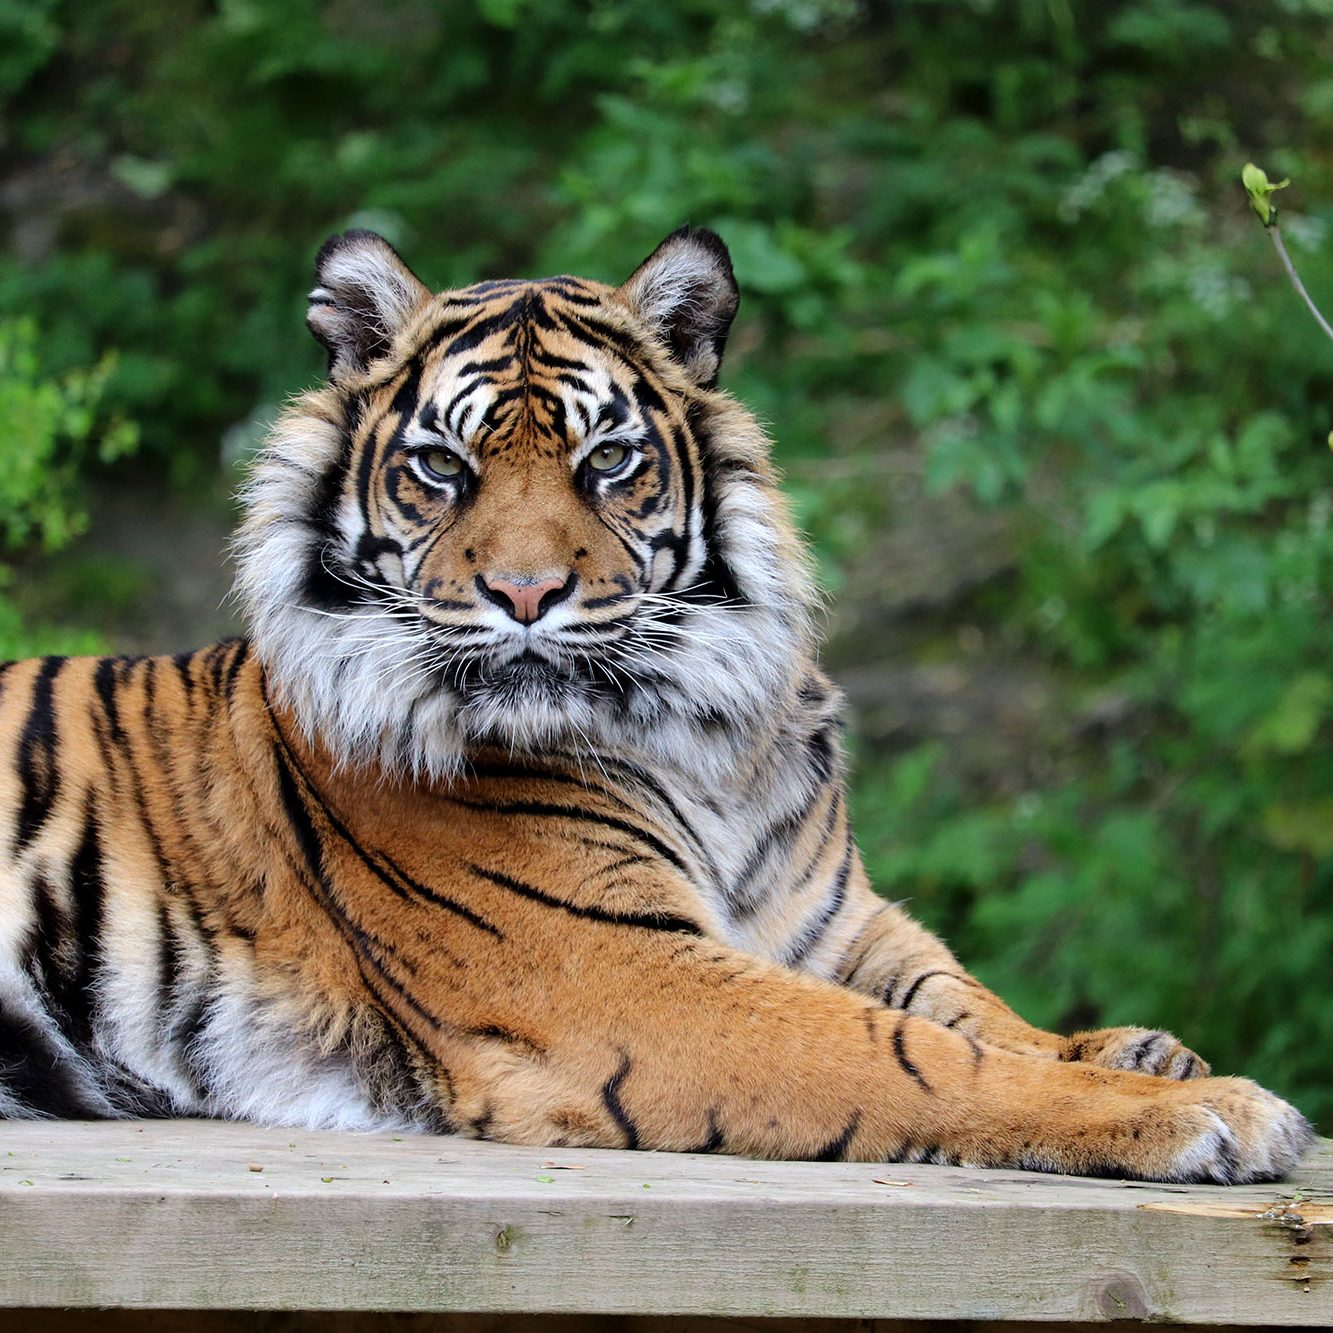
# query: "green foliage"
52,432
998,245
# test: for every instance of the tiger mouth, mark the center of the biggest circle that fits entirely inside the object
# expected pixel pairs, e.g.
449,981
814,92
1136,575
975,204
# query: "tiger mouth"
553,673
528,673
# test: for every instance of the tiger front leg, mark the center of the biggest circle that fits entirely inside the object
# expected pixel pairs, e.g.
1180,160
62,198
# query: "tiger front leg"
660,1041
901,963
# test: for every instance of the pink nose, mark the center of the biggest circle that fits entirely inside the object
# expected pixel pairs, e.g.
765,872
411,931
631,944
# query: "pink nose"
526,602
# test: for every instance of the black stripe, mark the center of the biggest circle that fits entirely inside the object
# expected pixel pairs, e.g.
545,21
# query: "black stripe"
44,1078
717,580
507,1036
358,940
298,817
217,656
688,460
1140,1049
910,994
615,1107
814,932
978,1054
576,813
641,921
485,768
106,681
45,949
752,902
131,1096
854,959
900,1054
486,326
714,1141
362,942
88,889
779,833
594,331
660,794
571,290
822,755
319,588
38,775
389,870
169,963
386,870
184,663
150,695
240,655
836,1149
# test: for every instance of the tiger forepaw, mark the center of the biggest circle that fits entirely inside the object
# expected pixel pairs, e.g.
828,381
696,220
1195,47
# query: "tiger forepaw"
1141,1050
1243,1133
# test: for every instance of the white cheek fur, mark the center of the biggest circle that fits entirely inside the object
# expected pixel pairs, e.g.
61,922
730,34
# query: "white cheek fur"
366,680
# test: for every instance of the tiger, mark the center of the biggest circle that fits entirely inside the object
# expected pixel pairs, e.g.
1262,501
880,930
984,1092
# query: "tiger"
520,811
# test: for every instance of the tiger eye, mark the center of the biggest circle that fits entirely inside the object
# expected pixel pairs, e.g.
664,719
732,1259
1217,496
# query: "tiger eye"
442,463
607,457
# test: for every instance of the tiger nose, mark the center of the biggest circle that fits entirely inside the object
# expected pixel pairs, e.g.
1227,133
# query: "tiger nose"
526,600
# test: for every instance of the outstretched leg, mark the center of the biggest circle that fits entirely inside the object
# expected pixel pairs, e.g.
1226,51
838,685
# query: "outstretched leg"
649,1039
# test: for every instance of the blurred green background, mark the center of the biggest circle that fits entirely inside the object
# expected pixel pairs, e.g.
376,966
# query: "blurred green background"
1049,410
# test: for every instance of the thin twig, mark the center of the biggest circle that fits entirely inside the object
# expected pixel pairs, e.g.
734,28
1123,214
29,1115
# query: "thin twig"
1296,278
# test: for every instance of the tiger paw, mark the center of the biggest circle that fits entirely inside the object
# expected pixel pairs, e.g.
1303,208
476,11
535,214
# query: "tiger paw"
1140,1050
1238,1133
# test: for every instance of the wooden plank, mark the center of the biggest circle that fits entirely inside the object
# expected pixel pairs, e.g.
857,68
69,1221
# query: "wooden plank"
206,1215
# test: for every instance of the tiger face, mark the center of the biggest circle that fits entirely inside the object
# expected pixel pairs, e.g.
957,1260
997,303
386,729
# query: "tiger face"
530,495
521,514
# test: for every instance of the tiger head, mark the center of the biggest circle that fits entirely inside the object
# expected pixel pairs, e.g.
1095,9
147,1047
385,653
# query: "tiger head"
522,514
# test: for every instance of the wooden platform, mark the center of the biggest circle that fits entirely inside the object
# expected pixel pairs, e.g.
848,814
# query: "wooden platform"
204,1215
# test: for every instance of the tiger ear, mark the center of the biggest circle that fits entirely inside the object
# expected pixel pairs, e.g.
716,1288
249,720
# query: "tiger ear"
686,292
363,296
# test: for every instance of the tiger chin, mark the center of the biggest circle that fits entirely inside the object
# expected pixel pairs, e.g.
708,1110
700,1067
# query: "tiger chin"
520,812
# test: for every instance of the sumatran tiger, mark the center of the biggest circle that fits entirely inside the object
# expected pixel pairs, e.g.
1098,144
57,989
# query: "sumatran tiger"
520,812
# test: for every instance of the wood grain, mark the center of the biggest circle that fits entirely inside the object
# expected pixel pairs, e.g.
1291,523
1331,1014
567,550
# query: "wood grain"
205,1215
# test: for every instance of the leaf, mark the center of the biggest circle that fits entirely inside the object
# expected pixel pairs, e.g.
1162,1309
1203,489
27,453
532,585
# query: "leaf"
1303,826
1260,188
761,262
1291,726
149,180
1105,515
502,13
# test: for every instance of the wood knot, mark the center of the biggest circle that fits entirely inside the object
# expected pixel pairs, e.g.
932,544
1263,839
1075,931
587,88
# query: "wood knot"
1119,1296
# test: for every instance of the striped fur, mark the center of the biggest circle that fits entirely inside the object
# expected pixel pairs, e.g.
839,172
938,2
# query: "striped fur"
408,856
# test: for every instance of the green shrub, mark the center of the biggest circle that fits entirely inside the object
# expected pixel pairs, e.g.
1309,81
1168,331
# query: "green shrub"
53,433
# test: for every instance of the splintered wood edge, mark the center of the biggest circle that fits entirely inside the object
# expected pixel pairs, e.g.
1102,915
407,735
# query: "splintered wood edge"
1284,1212
205,1215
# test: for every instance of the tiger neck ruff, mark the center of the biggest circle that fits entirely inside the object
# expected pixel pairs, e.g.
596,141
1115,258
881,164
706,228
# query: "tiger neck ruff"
521,812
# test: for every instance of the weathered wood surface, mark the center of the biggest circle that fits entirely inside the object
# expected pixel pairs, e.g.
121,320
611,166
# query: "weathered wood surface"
214,1216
